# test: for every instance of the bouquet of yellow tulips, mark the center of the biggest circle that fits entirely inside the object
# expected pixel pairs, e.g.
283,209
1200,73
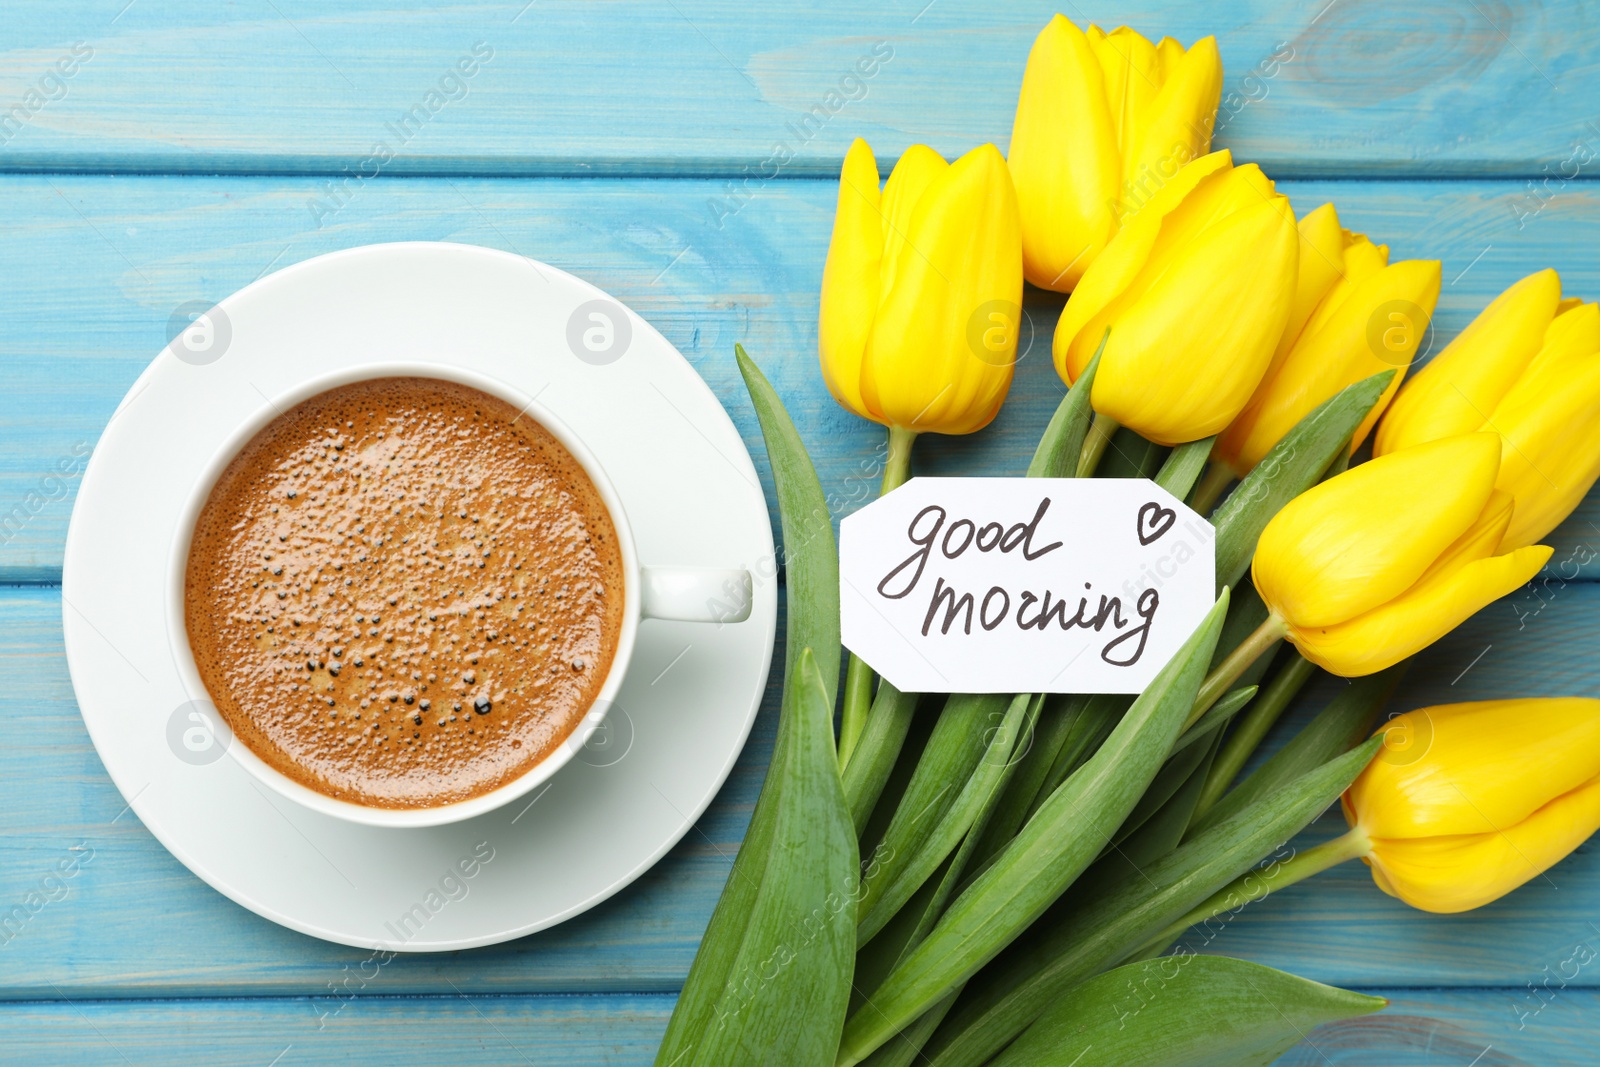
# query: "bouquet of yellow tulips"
974,879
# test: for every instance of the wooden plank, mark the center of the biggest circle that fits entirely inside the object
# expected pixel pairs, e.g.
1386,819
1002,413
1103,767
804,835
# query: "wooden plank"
133,922
718,86
1513,1027
96,267
1420,1028
469,1031
132,919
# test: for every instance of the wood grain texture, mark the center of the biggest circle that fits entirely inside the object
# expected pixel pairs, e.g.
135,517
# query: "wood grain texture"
133,922
198,146
1421,1028
96,266
742,91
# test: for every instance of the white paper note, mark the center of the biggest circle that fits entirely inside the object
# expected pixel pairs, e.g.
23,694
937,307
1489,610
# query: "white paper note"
1039,585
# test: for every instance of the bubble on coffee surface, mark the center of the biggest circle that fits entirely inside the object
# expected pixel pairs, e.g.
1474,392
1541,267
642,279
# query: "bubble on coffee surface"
413,570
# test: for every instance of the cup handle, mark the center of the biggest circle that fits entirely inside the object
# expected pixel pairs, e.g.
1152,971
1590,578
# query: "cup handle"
696,594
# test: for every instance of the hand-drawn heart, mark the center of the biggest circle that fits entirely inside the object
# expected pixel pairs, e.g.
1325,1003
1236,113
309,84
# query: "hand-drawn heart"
1154,520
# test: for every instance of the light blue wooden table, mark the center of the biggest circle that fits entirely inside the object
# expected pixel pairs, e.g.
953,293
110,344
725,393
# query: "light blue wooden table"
199,145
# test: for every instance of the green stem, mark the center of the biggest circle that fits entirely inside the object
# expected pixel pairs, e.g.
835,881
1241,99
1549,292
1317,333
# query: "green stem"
857,700
858,676
1218,477
1094,446
1222,677
1252,727
873,757
1254,885
897,467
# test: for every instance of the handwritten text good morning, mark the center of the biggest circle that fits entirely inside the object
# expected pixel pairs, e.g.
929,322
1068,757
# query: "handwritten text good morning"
1055,585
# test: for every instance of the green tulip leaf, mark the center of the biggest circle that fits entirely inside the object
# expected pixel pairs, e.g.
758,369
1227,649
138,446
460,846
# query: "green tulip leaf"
1247,612
1183,466
935,839
1187,754
1053,848
787,992
911,923
1098,717
881,739
1183,1011
1216,717
905,1048
1293,466
1058,721
810,554
1164,830
1347,720
1057,453
1130,456
1114,911
812,564
961,737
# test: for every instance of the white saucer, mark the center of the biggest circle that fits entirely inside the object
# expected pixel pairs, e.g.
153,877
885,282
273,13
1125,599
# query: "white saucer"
685,708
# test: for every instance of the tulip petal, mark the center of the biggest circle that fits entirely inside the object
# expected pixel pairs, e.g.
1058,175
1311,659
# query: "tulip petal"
917,169
850,278
1575,331
1377,325
1454,874
1190,348
1465,802
1362,538
1481,540
1550,422
1177,123
1411,622
1169,53
1359,260
1130,67
1064,158
1321,264
1116,268
1460,386
1476,767
959,278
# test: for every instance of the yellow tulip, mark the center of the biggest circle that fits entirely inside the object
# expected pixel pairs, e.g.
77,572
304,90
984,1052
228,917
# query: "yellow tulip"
1354,315
1468,801
1103,120
922,290
1527,368
1196,289
1377,563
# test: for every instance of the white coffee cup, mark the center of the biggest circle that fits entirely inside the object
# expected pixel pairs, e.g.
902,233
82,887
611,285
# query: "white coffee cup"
657,591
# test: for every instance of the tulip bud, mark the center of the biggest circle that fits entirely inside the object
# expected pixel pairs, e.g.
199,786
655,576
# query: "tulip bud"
1196,289
922,290
1465,802
1527,368
1103,121
1354,315
1377,563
